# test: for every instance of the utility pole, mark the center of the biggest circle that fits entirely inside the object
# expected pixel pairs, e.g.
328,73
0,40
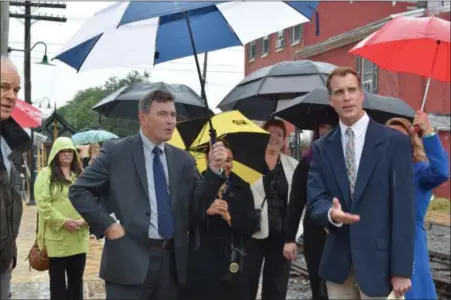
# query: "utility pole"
4,27
27,63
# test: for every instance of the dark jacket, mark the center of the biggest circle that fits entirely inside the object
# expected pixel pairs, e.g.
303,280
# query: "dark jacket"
381,244
209,264
116,182
298,201
10,199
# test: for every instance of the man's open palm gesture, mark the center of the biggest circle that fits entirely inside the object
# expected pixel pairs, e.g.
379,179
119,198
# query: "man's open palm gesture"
339,216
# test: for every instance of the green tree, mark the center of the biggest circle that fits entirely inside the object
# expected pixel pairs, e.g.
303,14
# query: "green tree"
79,114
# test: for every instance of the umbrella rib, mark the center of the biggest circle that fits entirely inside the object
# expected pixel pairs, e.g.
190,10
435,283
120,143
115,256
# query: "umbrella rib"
156,40
230,27
86,56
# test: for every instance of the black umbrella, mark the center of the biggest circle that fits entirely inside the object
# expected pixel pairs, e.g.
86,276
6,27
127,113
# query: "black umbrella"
257,95
123,103
308,111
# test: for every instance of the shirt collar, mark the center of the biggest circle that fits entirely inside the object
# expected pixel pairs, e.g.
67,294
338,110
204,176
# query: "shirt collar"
358,127
148,143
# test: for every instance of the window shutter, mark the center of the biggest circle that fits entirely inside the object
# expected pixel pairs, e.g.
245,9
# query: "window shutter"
290,35
375,79
260,48
358,66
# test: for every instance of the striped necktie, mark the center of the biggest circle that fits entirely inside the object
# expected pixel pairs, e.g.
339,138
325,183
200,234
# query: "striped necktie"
350,159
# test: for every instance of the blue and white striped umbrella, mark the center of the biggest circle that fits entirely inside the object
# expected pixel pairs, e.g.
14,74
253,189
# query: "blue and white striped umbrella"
148,33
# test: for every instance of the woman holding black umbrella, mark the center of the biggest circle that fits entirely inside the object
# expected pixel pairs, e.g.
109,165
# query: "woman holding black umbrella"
314,237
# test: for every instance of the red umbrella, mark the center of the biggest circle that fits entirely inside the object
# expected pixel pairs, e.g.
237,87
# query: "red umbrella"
410,45
26,115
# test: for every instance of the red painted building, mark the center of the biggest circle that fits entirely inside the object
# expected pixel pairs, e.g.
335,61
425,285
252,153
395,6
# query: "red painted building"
342,25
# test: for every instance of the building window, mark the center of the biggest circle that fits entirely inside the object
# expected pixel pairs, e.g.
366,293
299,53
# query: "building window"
265,45
296,34
252,51
280,40
368,74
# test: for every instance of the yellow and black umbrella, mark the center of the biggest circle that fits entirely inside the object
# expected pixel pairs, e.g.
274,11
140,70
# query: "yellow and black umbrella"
247,174
246,139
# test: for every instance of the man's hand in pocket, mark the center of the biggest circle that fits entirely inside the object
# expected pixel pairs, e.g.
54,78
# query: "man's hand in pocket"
115,231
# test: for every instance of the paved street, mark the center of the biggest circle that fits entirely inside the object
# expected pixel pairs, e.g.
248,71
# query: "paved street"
30,284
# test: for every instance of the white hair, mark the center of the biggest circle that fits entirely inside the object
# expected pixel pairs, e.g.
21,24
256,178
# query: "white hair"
6,62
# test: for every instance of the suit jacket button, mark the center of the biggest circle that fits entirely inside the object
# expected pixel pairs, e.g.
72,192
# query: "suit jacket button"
148,214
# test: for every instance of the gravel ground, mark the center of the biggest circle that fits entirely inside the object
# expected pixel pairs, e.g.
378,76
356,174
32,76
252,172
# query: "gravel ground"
439,238
439,241
299,287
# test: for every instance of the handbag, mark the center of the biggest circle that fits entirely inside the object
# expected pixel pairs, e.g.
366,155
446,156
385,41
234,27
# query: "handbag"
38,258
258,211
258,216
392,296
236,262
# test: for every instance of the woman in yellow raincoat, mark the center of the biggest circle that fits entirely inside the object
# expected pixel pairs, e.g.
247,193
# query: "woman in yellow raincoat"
62,231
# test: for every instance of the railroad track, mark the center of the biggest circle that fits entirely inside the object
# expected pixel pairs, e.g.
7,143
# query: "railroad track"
441,273
441,258
298,270
440,268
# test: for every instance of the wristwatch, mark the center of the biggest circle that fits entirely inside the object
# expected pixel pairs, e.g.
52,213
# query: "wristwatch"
432,133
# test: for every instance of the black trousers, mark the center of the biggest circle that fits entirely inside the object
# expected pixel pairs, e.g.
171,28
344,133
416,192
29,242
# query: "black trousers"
314,239
276,270
72,266
161,282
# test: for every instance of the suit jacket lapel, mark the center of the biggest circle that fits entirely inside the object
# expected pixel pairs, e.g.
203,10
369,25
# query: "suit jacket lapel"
137,153
173,171
370,157
334,151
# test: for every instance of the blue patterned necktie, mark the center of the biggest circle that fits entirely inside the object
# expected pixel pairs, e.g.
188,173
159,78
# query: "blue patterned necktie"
350,160
165,222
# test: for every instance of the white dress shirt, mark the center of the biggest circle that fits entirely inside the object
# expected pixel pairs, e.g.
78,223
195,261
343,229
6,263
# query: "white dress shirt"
148,157
359,128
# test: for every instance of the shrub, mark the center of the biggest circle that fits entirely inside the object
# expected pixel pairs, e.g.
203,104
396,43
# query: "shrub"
440,204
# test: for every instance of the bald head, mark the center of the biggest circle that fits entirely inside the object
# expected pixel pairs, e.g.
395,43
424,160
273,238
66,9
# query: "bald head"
6,63
10,87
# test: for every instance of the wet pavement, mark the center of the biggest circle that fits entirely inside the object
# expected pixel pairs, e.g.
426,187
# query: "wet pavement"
30,284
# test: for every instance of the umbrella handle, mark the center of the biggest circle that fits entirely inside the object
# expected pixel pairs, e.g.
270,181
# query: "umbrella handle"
417,128
212,134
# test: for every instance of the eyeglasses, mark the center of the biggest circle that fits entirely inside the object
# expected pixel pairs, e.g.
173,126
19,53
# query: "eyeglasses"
67,151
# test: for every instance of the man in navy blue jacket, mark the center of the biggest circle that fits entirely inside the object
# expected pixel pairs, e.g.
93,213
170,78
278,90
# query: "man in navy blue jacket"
360,187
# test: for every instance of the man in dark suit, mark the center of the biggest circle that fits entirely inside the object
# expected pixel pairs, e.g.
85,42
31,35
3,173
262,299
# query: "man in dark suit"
13,142
360,187
148,189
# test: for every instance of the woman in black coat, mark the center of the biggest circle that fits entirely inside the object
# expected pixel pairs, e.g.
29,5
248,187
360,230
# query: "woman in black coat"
228,220
314,236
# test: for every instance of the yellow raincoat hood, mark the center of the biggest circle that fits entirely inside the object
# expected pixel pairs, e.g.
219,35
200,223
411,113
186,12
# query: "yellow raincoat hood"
55,208
61,143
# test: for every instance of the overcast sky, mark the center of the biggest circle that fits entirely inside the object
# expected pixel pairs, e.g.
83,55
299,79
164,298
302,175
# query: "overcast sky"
60,83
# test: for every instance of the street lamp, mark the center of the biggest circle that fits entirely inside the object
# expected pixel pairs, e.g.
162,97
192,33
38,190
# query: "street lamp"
45,58
39,102
27,92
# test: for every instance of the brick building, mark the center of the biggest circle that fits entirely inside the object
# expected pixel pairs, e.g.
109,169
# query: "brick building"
341,26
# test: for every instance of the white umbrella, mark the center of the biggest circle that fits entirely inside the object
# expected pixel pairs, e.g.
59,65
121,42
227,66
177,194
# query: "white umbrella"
131,33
